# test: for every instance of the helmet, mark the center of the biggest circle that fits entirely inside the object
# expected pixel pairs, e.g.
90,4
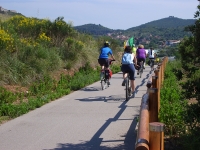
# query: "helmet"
107,44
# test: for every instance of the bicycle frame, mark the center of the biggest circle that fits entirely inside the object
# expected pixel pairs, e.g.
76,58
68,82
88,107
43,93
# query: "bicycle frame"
104,80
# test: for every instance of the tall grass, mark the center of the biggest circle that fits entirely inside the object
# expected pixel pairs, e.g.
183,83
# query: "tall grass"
35,53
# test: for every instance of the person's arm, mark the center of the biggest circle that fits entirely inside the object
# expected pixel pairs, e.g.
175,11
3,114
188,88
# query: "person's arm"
147,54
136,52
155,55
112,56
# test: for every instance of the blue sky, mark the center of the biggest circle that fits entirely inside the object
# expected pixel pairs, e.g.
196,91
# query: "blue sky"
113,14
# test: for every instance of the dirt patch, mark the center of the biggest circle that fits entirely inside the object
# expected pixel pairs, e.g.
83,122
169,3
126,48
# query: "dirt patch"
16,88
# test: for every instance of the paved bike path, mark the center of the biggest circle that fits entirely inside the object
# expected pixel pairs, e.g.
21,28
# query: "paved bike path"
88,119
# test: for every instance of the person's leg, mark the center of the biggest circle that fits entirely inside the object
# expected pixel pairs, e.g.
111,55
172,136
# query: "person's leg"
138,63
132,77
133,85
153,63
123,69
143,63
106,67
101,63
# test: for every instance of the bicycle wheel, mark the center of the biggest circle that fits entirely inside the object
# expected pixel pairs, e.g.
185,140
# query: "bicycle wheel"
107,83
128,89
151,65
101,75
103,84
141,69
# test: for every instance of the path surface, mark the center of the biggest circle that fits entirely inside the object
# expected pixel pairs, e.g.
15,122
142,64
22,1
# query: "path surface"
88,119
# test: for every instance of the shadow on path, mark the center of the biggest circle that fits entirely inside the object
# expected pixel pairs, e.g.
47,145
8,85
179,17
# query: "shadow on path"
96,141
142,82
91,89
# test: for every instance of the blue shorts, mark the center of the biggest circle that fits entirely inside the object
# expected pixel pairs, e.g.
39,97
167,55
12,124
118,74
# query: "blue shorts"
129,69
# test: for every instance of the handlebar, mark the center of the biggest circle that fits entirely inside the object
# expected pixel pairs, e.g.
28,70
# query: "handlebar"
111,60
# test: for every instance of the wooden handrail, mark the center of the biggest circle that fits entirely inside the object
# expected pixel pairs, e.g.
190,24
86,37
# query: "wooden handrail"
149,111
143,127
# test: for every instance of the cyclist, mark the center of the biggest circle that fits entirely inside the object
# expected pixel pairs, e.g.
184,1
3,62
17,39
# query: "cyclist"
103,60
134,49
152,55
157,60
128,60
141,56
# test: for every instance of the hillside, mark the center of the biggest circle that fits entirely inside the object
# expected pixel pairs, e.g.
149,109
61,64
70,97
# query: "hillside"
95,30
169,22
158,31
6,15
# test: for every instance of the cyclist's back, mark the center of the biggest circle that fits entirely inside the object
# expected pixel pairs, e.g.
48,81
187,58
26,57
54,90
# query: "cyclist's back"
151,53
105,51
141,56
141,53
151,56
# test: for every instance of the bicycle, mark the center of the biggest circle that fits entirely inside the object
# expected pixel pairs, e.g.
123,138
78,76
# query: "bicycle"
141,69
104,77
151,63
127,87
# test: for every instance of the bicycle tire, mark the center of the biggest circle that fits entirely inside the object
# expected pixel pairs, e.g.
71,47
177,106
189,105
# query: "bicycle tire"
103,84
141,71
141,68
151,65
128,89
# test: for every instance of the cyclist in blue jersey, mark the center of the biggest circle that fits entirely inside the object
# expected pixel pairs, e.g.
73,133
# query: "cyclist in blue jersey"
104,55
103,60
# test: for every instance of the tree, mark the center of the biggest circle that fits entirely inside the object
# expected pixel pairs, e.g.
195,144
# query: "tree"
190,57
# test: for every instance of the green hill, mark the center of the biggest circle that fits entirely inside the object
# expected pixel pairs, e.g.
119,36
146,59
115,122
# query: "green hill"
93,29
169,22
155,32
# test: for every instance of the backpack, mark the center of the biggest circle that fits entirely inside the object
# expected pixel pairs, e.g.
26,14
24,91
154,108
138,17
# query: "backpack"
108,74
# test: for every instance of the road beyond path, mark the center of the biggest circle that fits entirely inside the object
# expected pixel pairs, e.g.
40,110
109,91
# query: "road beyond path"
88,119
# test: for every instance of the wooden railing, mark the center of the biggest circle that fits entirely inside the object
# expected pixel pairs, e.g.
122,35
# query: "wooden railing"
150,131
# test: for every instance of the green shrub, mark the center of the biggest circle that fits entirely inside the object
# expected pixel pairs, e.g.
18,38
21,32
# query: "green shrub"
173,106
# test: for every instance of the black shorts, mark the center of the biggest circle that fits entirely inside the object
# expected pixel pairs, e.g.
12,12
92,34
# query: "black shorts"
103,62
139,60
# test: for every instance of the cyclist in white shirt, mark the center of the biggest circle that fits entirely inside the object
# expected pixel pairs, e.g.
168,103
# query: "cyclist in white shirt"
151,55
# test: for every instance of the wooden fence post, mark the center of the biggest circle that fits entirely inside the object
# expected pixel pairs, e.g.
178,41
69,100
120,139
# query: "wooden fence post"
157,86
153,105
156,136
